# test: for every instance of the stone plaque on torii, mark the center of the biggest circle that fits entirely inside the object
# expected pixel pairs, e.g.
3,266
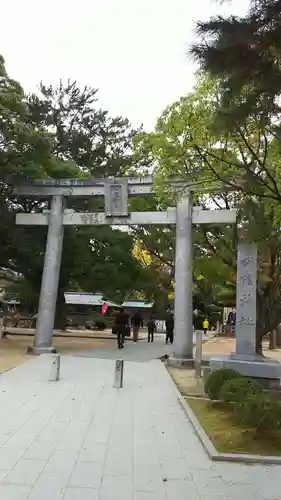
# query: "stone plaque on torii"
116,192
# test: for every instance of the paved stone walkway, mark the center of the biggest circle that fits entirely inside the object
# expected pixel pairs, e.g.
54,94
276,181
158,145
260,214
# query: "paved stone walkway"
80,439
141,351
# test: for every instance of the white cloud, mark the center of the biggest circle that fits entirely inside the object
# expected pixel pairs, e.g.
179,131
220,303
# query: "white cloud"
134,51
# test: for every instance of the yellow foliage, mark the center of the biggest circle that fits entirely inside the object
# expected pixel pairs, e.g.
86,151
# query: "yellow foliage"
171,294
141,254
140,295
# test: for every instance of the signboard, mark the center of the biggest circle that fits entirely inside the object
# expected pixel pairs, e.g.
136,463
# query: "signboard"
116,198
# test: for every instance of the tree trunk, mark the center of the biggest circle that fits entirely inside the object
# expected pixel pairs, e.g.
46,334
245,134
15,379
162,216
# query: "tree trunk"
60,317
259,337
272,339
278,335
259,326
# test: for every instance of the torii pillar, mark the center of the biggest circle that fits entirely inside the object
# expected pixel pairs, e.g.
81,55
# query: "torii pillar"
183,310
50,280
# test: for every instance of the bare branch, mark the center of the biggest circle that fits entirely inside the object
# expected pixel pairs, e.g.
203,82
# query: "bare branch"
235,185
261,163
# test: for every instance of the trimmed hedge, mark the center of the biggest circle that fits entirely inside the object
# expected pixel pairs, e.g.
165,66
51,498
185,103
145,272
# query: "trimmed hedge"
100,325
251,407
237,389
217,379
260,412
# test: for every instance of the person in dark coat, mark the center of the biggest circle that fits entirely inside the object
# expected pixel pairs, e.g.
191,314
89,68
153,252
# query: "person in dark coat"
121,324
151,329
231,321
170,328
137,322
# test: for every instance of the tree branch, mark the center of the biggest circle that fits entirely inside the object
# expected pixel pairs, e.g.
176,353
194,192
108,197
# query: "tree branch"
262,166
234,185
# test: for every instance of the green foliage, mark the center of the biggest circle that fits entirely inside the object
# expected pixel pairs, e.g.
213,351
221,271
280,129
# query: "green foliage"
251,406
240,169
25,148
238,390
100,325
259,411
216,380
99,144
62,133
187,144
244,54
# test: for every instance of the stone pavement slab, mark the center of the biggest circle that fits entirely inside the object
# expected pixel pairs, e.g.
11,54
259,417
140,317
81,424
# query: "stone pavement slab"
80,439
141,351
72,333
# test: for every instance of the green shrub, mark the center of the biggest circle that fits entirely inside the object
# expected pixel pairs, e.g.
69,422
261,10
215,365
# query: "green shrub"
259,411
100,325
238,389
216,380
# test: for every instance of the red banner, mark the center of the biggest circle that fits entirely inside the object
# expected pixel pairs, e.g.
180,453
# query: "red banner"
103,309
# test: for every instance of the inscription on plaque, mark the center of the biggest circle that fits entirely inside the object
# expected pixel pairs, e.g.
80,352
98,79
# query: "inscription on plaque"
92,219
116,198
246,292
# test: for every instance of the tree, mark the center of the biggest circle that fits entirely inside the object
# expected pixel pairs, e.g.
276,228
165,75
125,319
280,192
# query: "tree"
61,134
212,279
246,162
115,271
155,253
97,143
25,147
157,242
244,54
25,151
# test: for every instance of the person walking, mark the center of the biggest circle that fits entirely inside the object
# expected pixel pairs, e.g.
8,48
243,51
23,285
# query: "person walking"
231,321
169,328
137,322
151,327
205,326
122,325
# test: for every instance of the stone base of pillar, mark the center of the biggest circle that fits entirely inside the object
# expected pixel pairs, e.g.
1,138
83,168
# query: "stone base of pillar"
41,350
265,370
180,362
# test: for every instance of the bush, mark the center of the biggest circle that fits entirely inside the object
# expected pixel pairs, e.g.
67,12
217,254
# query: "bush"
100,325
259,411
238,389
216,380
88,325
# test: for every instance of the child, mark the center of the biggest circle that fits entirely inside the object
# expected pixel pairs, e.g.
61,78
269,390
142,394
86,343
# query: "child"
151,329
205,326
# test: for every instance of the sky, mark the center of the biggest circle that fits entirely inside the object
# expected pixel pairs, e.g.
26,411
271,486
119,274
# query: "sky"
133,51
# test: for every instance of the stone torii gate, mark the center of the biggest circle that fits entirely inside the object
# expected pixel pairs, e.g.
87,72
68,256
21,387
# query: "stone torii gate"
116,192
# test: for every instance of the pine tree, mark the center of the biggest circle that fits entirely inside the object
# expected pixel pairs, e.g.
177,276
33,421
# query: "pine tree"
245,54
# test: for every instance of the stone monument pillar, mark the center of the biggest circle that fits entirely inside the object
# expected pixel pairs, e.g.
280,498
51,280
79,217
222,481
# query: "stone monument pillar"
245,360
246,299
50,279
183,343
